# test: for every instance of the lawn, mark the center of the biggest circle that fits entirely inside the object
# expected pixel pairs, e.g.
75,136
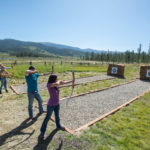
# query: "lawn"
128,129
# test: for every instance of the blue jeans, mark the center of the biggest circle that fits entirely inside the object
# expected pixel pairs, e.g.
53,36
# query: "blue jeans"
31,97
3,83
50,110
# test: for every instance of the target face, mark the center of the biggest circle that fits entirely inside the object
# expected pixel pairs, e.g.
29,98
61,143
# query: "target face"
148,74
114,70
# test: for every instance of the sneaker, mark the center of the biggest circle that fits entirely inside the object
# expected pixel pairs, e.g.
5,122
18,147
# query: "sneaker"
0,92
61,128
6,91
42,112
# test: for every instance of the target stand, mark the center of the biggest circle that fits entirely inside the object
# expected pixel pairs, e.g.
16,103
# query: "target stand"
145,72
116,70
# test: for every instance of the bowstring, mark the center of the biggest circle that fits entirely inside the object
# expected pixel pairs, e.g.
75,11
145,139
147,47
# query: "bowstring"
68,100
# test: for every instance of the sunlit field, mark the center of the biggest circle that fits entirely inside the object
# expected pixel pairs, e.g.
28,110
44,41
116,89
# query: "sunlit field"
126,129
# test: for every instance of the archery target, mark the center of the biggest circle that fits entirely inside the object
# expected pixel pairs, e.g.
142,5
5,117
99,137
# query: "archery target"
148,74
114,70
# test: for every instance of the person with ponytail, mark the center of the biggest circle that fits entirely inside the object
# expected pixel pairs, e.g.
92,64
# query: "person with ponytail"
53,102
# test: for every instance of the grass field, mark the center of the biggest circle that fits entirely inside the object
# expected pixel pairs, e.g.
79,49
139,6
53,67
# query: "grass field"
19,70
127,129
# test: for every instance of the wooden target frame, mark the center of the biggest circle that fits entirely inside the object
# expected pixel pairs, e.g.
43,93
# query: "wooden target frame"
116,70
145,72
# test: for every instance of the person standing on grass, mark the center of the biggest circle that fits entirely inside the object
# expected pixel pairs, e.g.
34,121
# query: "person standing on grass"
3,75
31,76
53,103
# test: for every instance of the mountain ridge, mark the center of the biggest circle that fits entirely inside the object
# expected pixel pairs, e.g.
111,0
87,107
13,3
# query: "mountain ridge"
46,48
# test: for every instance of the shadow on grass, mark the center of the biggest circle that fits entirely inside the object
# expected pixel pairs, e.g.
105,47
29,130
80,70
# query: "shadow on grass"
18,131
43,144
148,80
115,76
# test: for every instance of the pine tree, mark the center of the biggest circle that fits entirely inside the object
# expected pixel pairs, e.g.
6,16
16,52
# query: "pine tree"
139,52
86,56
92,55
149,49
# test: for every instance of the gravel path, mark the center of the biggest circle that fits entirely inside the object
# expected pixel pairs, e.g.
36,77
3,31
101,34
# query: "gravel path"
81,110
42,86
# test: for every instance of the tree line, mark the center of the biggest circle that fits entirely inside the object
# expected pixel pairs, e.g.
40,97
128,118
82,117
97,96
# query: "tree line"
121,57
28,54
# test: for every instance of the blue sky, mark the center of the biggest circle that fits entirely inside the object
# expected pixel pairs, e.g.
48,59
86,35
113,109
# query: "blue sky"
98,24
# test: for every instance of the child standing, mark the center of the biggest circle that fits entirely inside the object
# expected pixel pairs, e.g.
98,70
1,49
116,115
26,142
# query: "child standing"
53,103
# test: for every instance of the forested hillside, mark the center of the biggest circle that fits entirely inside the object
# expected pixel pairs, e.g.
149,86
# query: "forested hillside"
21,48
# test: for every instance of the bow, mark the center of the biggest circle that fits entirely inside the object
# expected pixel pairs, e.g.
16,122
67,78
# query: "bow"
73,80
52,69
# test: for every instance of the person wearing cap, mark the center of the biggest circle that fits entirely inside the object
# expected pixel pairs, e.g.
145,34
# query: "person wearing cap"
31,76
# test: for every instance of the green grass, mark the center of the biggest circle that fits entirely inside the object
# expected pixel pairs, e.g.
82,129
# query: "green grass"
64,71
131,72
19,70
128,129
4,55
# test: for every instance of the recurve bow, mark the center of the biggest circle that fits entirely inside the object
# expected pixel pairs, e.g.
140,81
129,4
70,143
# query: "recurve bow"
73,80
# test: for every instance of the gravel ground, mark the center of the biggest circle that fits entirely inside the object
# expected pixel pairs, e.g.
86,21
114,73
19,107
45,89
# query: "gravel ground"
42,86
81,110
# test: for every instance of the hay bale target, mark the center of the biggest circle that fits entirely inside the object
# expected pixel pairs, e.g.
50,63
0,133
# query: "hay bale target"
116,70
145,72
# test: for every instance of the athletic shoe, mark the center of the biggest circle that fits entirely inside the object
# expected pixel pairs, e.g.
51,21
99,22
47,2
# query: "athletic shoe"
42,112
61,128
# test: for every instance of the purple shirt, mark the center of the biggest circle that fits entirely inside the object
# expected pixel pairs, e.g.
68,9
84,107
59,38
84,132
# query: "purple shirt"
54,95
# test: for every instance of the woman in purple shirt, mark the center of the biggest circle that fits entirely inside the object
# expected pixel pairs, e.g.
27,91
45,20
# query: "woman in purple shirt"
53,102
